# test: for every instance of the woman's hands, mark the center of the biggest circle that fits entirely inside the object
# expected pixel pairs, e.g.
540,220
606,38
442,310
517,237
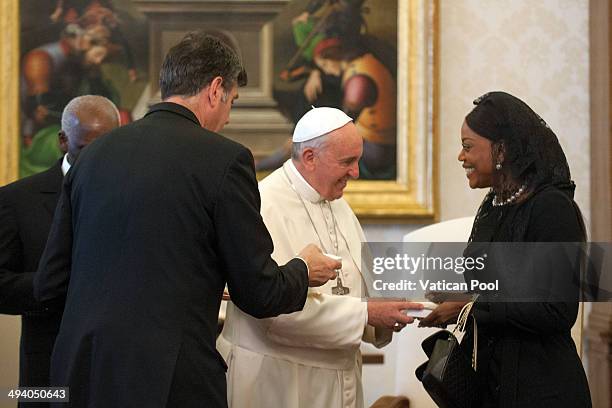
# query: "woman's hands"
446,313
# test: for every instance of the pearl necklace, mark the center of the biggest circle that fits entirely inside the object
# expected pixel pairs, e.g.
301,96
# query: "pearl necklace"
513,197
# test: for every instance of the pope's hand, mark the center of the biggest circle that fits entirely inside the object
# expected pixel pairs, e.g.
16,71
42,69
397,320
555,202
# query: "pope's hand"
390,314
320,267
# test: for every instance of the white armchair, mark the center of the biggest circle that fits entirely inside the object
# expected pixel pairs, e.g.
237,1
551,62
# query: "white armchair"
409,354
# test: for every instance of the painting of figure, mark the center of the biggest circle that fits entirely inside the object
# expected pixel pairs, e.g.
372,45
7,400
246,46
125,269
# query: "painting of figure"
70,48
339,61
366,57
338,53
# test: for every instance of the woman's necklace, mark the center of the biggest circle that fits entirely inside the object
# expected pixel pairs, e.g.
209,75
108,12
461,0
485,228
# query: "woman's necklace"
513,197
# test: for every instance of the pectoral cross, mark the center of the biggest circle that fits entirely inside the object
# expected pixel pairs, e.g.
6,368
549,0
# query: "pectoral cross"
339,289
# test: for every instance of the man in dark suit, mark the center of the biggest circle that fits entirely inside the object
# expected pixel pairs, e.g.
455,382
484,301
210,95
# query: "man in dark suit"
26,212
153,221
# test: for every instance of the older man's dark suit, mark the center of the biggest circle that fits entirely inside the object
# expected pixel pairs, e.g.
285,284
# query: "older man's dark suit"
154,219
26,212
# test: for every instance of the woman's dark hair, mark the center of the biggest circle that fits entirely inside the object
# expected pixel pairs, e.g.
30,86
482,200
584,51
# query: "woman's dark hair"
194,62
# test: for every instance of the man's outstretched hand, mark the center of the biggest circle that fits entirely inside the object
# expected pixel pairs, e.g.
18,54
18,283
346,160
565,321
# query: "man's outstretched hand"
320,267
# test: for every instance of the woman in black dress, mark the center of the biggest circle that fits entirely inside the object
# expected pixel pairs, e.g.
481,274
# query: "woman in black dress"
526,356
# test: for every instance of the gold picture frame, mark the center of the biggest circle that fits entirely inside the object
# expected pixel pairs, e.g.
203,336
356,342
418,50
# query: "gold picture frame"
9,90
410,197
413,195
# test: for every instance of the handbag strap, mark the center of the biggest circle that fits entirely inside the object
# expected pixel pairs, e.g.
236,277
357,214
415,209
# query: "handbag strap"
460,327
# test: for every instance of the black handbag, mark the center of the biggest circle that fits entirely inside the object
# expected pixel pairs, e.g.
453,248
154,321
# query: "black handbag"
449,376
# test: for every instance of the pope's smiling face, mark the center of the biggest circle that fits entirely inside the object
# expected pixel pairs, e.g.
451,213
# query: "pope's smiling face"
337,161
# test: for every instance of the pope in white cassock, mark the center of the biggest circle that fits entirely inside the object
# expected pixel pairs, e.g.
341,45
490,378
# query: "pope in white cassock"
311,358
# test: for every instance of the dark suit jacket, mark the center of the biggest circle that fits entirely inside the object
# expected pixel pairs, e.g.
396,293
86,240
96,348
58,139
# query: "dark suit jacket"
26,212
154,218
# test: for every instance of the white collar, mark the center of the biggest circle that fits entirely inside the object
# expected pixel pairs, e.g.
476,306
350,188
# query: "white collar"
65,164
301,185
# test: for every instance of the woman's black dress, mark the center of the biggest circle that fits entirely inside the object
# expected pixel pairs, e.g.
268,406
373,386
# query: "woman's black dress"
526,356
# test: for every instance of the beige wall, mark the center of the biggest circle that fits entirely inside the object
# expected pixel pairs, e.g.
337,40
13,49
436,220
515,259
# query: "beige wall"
537,50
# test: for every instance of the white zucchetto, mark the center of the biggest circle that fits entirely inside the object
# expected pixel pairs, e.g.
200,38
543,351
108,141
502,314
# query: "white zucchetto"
318,122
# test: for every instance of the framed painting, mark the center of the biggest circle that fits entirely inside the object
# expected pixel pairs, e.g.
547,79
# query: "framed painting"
375,59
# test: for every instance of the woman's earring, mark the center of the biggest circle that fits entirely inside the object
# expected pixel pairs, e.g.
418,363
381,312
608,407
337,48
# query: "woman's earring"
498,166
